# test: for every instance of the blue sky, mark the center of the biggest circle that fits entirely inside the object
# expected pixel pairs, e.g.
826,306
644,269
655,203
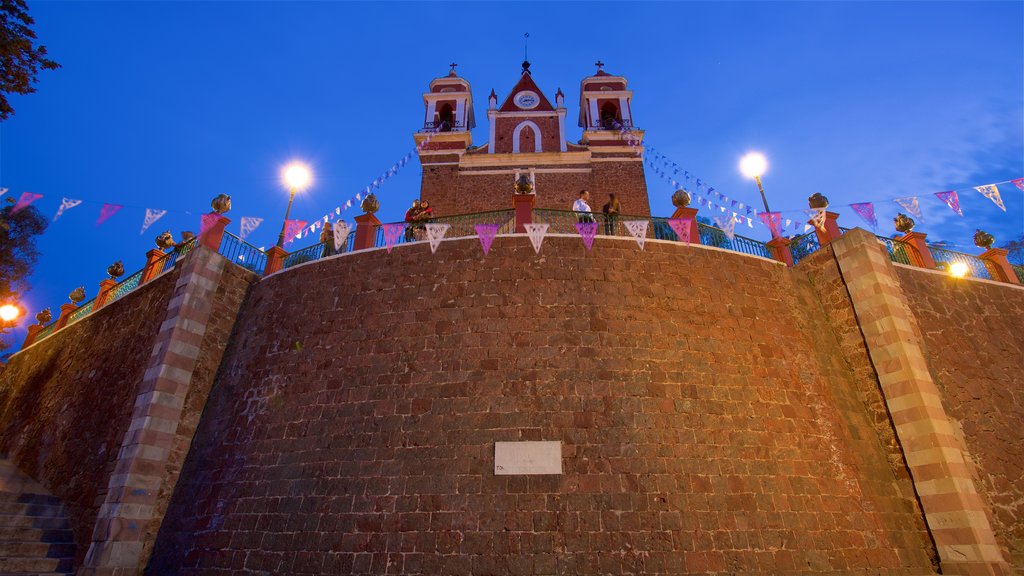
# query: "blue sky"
167,104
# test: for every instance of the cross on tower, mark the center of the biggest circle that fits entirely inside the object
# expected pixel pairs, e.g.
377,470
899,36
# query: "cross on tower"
599,65
453,65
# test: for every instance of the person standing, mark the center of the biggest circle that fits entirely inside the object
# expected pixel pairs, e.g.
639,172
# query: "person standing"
582,207
327,239
611,214
411,215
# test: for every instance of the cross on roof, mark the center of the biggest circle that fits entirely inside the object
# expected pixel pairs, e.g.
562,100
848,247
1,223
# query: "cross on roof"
599,65
453,65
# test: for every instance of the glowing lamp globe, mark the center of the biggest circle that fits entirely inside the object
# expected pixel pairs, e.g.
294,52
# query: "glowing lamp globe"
958,269
753,165
9,312
297,176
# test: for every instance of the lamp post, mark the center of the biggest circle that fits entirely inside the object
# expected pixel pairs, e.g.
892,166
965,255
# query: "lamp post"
296,176
9,313
753,165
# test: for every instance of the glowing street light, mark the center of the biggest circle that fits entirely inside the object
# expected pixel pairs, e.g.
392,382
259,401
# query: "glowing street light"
9,313
296,176
958,269
754,165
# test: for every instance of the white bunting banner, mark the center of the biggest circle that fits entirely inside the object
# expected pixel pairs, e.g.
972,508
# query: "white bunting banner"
341,231
435,232
637,229
65,205
3,191
152,216
911,205
536,234
728,225
249,223
992,193
817,218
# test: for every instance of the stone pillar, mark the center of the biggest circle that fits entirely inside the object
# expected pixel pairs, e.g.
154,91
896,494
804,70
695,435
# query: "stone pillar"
65,313
212,236
953,509
33,331
921,255
831,231
106,286
275,260
154,265
366,231
998,266
690,213
523,205
779,247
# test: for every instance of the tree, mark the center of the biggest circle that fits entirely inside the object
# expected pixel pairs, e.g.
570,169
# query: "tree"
20,57
18,254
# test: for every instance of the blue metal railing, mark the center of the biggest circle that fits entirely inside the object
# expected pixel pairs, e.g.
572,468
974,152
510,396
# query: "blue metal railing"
242,253
899,251
945,258
82,311
124,287
308,254
804,246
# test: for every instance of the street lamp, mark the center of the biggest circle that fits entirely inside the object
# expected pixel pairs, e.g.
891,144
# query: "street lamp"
958,270
753,165
9,313
296,176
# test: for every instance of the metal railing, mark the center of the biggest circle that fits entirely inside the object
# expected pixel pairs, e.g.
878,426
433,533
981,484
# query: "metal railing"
46,331
464,225
445,126
803,246
82,311
124,287
178,253
899,251
564,221
308,254
945,258
1019,271
242,253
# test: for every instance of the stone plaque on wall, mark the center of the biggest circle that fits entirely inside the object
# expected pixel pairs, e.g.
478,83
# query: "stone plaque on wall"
512,458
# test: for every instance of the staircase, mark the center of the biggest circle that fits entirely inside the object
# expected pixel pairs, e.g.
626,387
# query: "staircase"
35,537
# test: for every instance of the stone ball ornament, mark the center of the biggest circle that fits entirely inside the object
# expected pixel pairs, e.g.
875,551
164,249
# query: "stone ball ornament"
44,316
165,240
817,201
221,204
983,239
370,204
77,295
903,223
116,269
681,198
524,185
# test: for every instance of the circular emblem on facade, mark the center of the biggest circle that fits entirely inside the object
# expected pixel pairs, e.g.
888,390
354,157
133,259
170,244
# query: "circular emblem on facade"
527,99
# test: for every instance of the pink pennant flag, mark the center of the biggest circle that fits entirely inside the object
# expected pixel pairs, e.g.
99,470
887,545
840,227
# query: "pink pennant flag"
26,199
207,221
1019,183
587,230
536,234
952,200
486,232
991,192
681,226
292,228
866,210
392,232
106,212
773,220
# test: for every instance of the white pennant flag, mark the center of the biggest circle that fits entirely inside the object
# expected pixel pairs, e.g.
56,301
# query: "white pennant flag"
536,234
435,232
341,231
992,193
65,204
3,191
638,229
249,223
817,218
911,205
152,216
728,225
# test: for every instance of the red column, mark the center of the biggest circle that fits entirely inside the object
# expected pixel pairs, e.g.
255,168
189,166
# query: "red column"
831,231
921,255
779,248
523,205
105,287
691,214
212,236
275,260
998,266
154,265
65,313
366,231
33,330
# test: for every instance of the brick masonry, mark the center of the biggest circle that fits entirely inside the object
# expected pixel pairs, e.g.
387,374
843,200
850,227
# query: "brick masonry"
708,425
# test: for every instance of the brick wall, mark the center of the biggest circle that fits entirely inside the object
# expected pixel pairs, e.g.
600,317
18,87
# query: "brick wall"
66,401
974,340
708,425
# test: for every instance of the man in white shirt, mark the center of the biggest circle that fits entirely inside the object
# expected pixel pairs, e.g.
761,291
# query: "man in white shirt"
582,207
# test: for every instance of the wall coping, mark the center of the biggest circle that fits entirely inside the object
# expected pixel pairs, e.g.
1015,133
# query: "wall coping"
629,239
968,278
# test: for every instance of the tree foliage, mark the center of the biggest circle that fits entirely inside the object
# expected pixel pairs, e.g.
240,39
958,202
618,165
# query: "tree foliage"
20,56
18,231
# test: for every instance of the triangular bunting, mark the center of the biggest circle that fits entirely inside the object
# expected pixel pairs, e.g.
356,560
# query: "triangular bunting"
728,225
207,221
486,232
637,229
292,230
952,200
392,232
152,215
26,199
866,210
587,230
249,223
992,193
681,226
65,205
435,232
1019,183
106,212
340,230
911,205
773,220
817,218
536,234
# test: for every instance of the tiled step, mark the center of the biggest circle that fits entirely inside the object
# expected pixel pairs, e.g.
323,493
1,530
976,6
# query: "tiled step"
35,537
54,536
43,523
35,565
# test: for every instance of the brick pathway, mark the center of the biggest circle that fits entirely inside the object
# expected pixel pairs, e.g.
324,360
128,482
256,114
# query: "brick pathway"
35,537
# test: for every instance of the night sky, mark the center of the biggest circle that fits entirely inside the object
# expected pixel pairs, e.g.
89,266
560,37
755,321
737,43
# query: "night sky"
167,104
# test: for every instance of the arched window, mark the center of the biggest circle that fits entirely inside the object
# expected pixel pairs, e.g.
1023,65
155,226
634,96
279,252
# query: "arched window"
525,137
610,115
446,118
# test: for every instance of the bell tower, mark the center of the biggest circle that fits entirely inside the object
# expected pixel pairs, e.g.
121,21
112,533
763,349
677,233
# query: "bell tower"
448,114
605,107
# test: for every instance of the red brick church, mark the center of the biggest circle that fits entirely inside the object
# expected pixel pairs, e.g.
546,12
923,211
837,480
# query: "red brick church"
527,134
